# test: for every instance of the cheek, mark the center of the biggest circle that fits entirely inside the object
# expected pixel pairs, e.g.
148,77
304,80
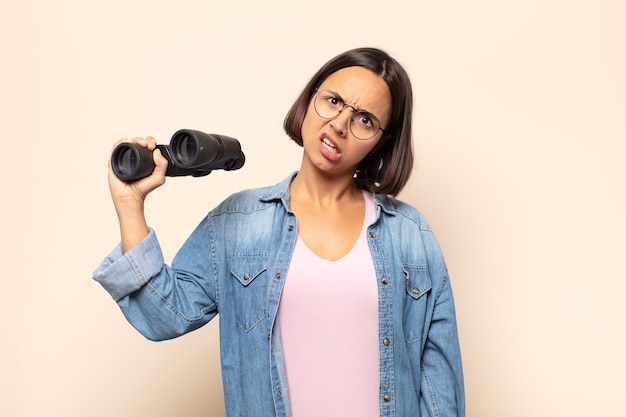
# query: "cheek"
311,124
358,151
369,146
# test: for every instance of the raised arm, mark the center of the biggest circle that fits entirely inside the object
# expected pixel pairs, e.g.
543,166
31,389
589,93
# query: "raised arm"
129,197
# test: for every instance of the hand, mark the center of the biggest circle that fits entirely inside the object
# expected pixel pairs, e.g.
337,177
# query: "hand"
129,197
132,194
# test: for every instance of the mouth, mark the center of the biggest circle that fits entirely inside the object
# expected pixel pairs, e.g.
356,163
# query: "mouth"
330,145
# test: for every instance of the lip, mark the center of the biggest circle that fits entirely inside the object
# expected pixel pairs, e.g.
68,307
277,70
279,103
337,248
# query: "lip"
329,154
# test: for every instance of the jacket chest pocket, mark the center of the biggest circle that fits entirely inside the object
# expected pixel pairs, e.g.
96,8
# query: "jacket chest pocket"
249,298
418,287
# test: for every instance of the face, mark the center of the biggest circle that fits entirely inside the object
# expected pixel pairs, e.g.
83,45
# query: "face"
329,144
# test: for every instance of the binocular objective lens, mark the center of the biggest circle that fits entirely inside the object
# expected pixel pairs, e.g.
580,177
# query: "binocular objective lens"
130,160
186,150
127,161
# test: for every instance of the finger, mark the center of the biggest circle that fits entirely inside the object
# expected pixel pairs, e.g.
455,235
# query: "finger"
160,162
147,142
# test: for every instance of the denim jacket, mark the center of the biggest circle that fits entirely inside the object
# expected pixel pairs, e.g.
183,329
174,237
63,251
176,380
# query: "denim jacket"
234,263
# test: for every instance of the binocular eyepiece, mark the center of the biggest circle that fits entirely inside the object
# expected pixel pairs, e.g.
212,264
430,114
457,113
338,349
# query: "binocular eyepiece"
190,152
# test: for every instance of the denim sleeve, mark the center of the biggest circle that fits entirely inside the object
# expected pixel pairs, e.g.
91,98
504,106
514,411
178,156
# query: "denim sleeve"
442,375
121,274
160,301
443,392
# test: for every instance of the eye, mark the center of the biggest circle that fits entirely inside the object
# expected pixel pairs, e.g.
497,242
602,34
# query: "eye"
364,119
332,100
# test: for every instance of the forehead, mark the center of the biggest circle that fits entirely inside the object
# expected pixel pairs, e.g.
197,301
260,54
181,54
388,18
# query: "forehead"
361,88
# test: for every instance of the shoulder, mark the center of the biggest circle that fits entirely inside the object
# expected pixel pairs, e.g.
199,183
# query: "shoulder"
409,232
401,211
255,199
243,201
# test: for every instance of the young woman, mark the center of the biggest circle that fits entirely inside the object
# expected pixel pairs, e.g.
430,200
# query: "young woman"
334,298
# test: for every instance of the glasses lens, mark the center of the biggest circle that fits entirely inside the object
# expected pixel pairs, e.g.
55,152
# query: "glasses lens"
363,125
327,104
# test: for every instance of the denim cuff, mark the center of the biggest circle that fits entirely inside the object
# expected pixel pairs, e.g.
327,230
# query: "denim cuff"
123,273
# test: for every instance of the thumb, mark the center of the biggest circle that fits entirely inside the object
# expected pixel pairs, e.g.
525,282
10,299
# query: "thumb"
160,162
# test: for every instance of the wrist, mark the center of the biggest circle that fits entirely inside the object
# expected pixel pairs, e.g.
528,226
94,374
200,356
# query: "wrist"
129,206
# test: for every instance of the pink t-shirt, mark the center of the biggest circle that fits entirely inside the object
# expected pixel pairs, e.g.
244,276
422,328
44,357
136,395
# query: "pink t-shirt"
329,327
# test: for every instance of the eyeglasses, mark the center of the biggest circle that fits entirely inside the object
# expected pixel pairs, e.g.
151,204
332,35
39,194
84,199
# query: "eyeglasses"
328,105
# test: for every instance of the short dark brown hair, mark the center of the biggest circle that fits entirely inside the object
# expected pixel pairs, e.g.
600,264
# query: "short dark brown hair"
387,169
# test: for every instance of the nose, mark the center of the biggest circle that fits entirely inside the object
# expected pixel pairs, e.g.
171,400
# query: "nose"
341,123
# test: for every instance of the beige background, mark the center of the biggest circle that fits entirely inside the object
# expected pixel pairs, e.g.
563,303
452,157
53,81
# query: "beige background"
521,139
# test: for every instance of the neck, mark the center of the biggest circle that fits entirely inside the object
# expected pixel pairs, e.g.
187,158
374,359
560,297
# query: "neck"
323,189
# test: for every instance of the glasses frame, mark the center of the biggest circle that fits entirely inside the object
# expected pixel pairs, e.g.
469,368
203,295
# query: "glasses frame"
354,112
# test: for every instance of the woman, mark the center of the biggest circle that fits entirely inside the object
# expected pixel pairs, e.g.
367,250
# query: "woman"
334,298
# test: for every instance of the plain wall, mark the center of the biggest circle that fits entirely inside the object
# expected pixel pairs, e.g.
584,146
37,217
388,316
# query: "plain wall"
520,136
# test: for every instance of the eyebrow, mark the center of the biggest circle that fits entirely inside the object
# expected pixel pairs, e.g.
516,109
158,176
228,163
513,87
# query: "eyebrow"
354,107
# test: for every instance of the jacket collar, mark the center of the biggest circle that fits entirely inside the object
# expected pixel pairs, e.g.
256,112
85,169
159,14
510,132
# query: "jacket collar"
280,192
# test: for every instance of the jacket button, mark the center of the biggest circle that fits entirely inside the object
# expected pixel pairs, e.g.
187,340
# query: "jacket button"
290,228
246,277
387,398
385,280
277,275
416,290
372,234
386,341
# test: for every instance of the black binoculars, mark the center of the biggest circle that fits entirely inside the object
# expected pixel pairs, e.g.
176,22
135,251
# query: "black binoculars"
190,152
